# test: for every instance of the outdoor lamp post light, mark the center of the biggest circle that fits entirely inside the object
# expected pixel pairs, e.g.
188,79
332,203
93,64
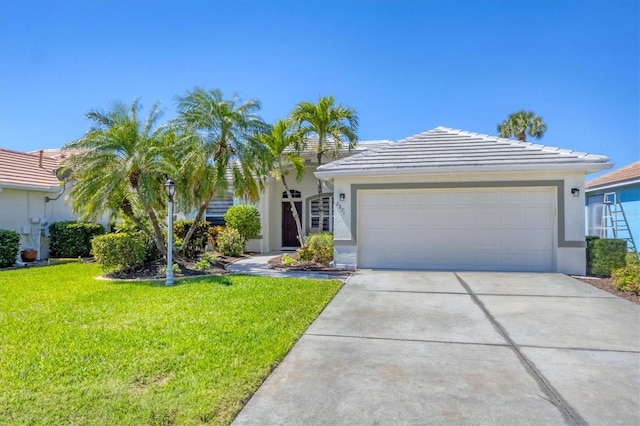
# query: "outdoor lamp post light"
170,189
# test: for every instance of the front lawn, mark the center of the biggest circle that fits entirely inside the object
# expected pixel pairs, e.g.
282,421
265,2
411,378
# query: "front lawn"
75,350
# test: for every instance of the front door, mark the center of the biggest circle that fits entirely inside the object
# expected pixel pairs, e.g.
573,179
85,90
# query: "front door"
289,230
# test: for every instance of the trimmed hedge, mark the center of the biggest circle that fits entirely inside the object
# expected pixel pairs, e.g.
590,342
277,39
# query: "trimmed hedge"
607,255
9,246
198,242
590,239
119,252
72,239
244,218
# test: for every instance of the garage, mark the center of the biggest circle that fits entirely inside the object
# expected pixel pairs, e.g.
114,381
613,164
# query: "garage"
501,229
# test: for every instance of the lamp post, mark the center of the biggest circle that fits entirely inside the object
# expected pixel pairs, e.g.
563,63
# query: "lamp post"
170,189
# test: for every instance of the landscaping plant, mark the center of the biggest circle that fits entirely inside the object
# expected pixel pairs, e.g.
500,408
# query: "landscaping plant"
244,218
72,239
230,243
607,255
119,252
197,244
9,247
627,278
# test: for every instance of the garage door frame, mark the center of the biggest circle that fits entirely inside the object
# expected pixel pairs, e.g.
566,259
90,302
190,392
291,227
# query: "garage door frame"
559,185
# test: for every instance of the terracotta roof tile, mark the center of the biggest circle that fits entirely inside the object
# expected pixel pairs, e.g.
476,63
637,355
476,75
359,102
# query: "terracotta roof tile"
23,169
623,174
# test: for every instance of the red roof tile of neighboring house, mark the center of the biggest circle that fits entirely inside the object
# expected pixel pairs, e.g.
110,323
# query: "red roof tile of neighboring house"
623,174
27,170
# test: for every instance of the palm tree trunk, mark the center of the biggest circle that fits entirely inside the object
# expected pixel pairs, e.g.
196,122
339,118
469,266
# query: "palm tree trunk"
296,217
192,229
158,238
128,211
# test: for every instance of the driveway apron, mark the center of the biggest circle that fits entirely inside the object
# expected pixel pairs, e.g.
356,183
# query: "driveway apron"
417,347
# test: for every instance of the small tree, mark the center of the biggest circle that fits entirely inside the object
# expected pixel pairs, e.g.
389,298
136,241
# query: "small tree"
244,218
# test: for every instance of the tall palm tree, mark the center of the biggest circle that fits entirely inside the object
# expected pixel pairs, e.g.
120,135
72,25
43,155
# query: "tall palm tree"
522,123
281,143
120,167
331,124
218,142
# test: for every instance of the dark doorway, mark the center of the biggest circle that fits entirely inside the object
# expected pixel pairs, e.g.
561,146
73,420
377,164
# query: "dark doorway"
289,231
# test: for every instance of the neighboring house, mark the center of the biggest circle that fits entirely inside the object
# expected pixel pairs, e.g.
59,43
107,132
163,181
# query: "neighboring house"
455,200
30,197
625,183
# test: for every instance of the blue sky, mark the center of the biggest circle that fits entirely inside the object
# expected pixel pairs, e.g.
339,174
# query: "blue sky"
405,66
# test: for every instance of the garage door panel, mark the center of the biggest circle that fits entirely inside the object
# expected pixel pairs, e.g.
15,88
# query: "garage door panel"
484,229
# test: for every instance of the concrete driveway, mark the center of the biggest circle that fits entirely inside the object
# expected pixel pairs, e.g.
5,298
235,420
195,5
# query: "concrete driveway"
398,347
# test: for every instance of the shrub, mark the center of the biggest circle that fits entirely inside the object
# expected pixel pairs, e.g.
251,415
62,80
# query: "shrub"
9,246
607,255
627,278
590,239
305,253
119,252
205,262
213,234
197,243
73,239
230,242
322,247
246,219
287,260
151,251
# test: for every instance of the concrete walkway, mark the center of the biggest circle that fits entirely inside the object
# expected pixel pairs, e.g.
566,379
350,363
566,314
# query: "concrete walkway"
460,348
258,265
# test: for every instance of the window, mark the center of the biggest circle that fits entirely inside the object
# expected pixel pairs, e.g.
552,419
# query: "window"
327,208
294,194
217,208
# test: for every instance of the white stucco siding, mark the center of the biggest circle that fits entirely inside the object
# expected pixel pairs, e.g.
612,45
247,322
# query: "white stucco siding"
20,208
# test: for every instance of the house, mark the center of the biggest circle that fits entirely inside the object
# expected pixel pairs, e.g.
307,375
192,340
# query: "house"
452,200
30,196
625,184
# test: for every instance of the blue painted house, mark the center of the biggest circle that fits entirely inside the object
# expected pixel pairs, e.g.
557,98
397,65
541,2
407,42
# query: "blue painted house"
625,183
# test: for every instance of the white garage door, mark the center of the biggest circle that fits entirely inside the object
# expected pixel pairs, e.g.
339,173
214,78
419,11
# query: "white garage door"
504,229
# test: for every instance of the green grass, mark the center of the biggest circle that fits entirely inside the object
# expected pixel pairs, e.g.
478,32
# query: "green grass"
75,350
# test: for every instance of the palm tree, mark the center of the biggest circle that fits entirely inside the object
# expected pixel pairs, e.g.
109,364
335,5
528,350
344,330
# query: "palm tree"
522,123
119,167
331,124
281,143
218,142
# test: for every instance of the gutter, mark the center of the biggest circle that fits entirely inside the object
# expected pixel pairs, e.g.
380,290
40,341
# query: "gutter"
612,185
592,167
29,187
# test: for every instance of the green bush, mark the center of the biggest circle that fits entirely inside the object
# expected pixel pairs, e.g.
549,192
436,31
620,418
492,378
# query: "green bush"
590,239
246,219
9,246
627,278
305,253
119,252
197,243
230,242
72,239
213,234
607,255
287,260
206,262
322,247
151,251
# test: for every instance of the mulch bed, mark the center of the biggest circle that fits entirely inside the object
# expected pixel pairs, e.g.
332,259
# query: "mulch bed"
606,284
155,270
307,266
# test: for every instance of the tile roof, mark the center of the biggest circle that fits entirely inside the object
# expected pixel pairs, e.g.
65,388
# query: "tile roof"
624,174
445,149
19,169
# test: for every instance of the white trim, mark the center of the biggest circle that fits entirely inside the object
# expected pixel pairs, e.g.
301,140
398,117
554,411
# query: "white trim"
29,187
590,167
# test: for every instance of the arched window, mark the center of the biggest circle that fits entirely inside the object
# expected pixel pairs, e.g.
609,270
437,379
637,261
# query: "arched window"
294,194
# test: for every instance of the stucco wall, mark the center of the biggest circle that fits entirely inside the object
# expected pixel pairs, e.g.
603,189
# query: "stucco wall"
569,251
21,208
